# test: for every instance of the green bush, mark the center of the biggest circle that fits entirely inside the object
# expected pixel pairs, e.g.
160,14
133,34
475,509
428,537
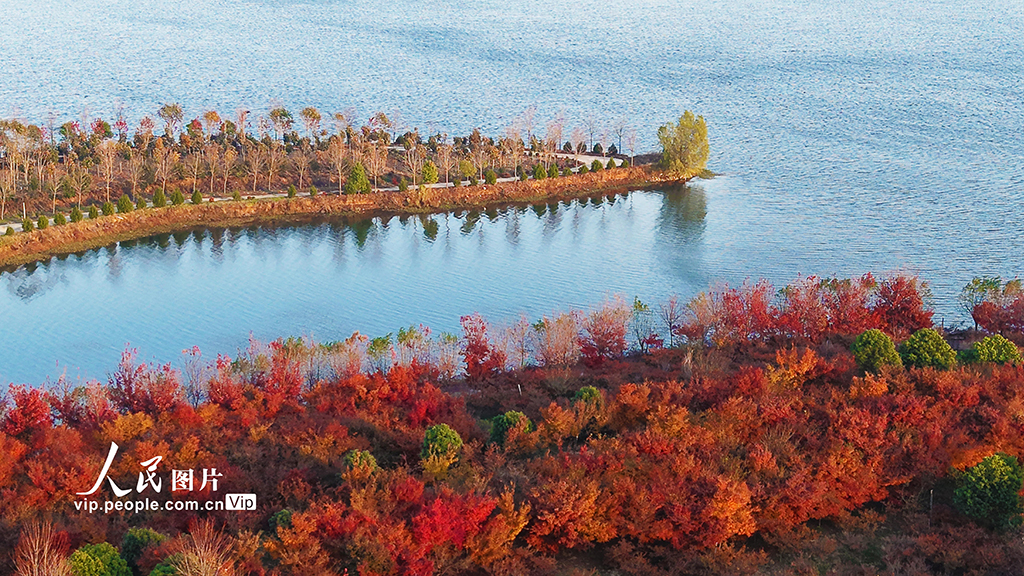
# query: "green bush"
926,347
588,395
159,199
429,173
539,173
177,198
10,231
988,491
873,349
441,440
197,197
610,164
27,225
135,542
357,182
166,568
292,191
583,169
236,195
490,177
474,181
466,168
94,212
124,204
996,349
281,519
457,182
59,219
313,191
567,171
43,223
403,185
140,203
98,560
522,173
107,208
502,423
598,149
553,171
361,459
596,166
625,164
76,214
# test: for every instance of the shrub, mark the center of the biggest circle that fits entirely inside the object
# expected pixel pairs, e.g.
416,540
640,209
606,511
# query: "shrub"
135,542
429,172
625,164
43,223
292,191
357,182
177,198
596,166
566,171
313,191
59,219
361,459
140,203
124,204
583,169
281,519
107,208
521,173
94,212
441,440
98,560
466,168
502,423
612,151
9,232
873,349
553,171
490,177
996,349
588,395
926,347
988,491
610,164
27,225
159,199
539,173
474,181
197,197
76,214
457,182
598,149
403,185
236,195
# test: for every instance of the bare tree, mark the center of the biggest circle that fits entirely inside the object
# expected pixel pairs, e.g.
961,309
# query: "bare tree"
256,156
241,119
672,316
631,143
212,153
204,552
300,160
136,162
227,163
619,129
337,155
166,158
108,152
445,156
529,117
41,552
211,120
376,154
590,122
275,155
553,138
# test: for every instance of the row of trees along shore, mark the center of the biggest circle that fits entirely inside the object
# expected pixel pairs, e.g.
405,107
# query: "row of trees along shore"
824,428
53,170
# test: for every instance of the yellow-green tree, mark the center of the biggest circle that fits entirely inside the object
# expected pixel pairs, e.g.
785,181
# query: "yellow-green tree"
684,146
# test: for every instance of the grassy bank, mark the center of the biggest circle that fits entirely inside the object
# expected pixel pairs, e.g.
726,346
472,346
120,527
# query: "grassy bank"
71,238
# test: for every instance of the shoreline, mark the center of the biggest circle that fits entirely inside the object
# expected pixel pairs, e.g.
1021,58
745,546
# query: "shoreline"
89,234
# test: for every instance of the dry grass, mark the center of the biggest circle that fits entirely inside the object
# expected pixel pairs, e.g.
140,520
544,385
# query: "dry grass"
70,238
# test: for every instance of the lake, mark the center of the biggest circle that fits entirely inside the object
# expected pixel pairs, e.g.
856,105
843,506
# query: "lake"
857,137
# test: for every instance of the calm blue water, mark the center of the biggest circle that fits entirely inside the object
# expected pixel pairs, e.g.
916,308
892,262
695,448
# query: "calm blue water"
858,136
